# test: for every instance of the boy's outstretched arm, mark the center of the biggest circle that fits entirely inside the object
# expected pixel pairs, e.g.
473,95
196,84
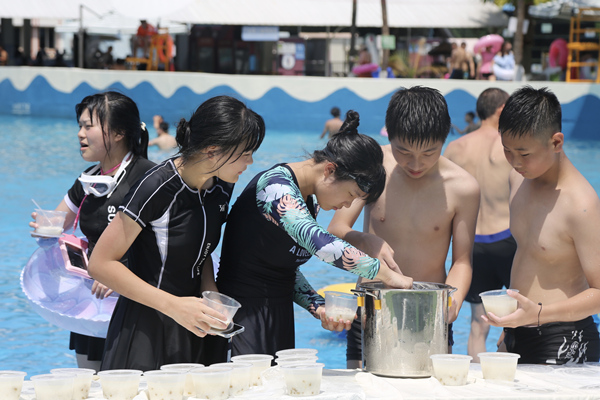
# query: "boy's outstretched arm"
341,226
463,236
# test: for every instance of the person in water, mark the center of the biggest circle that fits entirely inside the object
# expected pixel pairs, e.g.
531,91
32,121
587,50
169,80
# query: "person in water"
169,224
112,136
272,231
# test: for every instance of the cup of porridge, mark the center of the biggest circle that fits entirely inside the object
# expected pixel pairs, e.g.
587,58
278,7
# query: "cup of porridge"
451,369
11,383
499,302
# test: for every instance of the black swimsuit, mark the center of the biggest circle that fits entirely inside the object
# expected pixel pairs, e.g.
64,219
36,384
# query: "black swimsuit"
181,227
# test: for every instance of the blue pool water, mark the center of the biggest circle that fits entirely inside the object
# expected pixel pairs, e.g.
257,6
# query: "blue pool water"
39,159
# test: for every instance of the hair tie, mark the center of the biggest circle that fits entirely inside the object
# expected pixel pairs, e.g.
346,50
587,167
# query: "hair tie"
143,125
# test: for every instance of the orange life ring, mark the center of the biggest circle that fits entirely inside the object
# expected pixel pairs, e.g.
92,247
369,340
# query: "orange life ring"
164,47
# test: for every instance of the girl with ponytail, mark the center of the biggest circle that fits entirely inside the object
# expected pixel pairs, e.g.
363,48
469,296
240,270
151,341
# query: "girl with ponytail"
272,230
169,224
112,136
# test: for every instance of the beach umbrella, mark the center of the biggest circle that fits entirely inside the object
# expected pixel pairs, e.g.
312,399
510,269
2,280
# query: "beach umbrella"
489,40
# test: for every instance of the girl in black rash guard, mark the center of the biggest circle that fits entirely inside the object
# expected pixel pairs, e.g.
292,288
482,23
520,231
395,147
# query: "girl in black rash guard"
272,230
171,222
110,134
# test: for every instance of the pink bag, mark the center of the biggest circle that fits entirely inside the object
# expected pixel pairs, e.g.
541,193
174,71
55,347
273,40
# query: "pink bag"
74,253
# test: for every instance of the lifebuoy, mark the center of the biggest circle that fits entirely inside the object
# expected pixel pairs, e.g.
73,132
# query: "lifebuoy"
558,53
364,68
64,299
164,47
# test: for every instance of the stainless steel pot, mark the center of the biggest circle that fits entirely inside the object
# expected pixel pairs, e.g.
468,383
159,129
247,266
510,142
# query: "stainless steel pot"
401,328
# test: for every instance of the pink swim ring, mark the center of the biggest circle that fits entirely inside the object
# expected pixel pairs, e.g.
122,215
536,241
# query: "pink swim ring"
364,68
64,299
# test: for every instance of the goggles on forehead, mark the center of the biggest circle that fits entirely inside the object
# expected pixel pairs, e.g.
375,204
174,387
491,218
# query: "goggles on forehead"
362,184
103,185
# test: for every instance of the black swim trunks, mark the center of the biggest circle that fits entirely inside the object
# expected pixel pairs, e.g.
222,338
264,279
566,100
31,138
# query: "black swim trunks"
555,343
492,262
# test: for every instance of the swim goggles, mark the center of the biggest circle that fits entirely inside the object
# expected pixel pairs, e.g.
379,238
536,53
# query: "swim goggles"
103,185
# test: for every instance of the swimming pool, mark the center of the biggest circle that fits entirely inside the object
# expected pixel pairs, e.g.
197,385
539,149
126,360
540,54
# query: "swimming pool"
39,159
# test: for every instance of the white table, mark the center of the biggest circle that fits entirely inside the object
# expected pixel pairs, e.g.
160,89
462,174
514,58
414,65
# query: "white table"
531,382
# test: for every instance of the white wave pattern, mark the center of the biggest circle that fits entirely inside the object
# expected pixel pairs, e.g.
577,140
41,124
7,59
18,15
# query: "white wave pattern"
331,251
305,88
273,192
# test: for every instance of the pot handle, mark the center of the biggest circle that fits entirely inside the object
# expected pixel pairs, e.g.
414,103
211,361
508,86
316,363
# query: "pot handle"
361,293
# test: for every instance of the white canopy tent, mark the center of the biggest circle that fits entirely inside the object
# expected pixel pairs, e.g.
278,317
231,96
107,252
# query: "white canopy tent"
560,8
401,13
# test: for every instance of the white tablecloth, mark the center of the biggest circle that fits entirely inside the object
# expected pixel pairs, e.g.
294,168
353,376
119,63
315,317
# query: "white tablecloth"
531,382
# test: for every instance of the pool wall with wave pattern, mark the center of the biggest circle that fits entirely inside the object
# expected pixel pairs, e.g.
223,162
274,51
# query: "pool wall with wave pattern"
286,103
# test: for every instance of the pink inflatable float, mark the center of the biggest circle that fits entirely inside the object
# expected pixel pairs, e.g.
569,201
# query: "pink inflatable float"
493,40
364,68
64,299
558,53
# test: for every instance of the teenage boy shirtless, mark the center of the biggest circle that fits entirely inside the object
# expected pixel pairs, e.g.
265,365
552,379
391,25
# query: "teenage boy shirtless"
481,154
427,203
555,219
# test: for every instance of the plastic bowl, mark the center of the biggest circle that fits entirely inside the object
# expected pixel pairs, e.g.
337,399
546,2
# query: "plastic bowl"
451,369
120,384
11,383
165,384
303,379
188,389
240,376
224,304
260,362
340,306
296,360
296,353
212,382
499,302
82,381
50,223
53,386
499,366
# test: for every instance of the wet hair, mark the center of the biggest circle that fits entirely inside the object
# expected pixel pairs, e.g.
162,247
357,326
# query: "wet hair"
221,121
418,115
335,112
164,126
117,113
489,101
530,112
358,157
470,114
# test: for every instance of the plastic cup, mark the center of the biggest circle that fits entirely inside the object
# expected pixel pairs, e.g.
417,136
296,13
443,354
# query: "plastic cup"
212,382
224,304
240,376
499,302
499,366
165,384
53,386
260,362
340,306
50,223
296,360
81,383
11,383
296,353
120,384
451,369
303,379
188,389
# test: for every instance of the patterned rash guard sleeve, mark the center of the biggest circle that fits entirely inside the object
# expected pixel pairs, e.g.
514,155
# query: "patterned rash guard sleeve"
305,296
280,201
